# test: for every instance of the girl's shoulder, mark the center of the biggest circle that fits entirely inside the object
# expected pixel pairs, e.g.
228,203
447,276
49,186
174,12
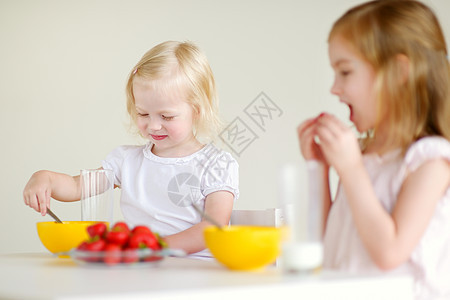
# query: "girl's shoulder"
213,152
127,150
425,149
212,157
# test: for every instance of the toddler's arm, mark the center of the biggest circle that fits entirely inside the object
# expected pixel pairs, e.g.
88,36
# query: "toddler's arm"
45,184
219,206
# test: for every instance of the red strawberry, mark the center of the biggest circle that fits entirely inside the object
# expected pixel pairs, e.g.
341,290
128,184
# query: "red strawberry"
121,226
97,229
82,246
113,254
143,240
119,234
141,229
95,244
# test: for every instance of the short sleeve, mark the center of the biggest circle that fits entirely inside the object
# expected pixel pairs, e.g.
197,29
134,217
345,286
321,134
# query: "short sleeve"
426,149
222,174
114,161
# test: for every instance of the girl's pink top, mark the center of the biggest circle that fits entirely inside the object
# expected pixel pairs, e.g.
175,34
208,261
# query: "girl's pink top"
430,261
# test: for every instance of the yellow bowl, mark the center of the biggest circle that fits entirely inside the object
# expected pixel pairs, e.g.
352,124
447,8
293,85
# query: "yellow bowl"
62,237
242,247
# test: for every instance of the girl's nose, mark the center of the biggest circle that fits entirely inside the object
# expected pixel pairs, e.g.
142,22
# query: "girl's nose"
154,124
335,89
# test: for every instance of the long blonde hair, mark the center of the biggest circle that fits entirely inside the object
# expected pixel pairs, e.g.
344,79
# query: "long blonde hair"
382,30
180,65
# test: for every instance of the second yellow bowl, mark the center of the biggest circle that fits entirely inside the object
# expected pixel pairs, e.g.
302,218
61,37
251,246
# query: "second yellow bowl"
244,247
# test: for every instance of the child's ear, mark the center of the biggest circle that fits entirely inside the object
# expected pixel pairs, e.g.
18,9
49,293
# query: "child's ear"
195,115
403,67
195,112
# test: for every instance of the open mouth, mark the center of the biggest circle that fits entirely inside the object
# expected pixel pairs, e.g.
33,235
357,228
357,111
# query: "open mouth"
351,112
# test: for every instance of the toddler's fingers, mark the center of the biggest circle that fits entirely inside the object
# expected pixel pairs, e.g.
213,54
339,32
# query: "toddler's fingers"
42,202
26,199
33,203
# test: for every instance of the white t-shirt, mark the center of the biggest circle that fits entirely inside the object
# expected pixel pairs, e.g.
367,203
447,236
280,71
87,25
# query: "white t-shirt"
430,260
158,192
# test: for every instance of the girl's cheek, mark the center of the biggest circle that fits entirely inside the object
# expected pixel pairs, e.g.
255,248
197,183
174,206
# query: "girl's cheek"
174,131
140,125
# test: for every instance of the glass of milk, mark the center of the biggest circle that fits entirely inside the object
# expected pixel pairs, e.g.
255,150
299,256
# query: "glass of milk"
300,196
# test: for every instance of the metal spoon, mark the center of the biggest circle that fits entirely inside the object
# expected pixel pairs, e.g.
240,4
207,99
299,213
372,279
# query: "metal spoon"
207,217
53,216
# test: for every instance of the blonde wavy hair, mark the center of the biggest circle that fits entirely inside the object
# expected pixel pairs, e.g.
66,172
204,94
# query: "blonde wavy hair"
382,30
182,66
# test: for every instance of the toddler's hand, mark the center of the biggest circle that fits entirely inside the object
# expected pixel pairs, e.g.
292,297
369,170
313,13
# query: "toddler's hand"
37,192
338,143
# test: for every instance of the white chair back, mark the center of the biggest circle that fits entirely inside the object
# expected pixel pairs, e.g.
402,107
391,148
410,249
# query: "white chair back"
263,217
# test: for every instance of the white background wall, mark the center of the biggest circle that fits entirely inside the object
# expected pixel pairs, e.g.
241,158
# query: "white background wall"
63,66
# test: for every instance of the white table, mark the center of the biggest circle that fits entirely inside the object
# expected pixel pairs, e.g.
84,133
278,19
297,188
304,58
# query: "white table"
44,276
